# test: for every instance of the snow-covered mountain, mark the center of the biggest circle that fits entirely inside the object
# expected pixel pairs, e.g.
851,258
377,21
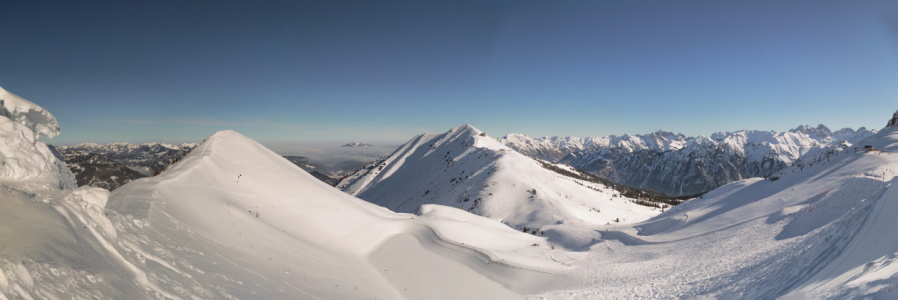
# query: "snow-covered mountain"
679,165
821,232
235,220
356,145
98,171
466,169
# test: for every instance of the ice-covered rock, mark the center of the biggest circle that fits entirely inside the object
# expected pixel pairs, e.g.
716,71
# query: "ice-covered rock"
22,111
23,157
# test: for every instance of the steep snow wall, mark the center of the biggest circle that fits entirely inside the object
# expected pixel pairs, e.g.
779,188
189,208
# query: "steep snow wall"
25,161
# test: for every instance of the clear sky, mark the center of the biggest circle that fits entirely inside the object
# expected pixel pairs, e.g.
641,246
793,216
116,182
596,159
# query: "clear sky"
289,71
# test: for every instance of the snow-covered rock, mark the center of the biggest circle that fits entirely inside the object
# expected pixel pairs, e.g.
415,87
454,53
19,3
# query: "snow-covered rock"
25,161
36,118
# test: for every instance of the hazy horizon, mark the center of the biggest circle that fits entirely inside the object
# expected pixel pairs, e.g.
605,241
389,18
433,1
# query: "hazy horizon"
283,71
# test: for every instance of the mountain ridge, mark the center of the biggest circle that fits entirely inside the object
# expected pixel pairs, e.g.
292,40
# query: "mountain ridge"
466,169
679,165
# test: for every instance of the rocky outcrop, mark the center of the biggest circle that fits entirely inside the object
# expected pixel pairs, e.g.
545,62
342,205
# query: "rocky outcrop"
894,121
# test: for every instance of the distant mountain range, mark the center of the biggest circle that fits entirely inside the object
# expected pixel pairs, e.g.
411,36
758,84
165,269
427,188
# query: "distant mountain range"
110,166
356,145
145,158
679,165
96,170
665,162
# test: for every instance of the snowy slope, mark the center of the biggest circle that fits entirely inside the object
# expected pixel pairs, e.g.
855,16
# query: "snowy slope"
98,171
467,169
824,232
680,165
235,220
314,229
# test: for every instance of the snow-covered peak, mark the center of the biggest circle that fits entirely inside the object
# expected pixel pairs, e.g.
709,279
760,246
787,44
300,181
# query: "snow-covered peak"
466,129
263,218
821,132
356,145
466,169
41,122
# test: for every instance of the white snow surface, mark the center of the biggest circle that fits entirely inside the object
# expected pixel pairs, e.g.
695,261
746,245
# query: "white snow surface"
235,220
824,232
471,171
25,161
36,118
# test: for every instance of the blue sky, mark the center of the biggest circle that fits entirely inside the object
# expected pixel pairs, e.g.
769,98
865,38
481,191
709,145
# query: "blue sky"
380,72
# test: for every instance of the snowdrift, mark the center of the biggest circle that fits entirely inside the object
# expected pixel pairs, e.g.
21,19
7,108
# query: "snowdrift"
26,161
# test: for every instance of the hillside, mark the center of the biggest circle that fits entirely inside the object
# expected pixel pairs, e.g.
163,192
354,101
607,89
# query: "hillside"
145,158
679,165
235,220
466,169
822,232
98,171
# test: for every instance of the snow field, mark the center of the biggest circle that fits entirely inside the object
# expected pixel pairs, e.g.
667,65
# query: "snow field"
466,169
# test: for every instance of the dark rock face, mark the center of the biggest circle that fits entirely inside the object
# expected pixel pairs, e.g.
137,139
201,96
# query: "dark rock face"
894,121
98,171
